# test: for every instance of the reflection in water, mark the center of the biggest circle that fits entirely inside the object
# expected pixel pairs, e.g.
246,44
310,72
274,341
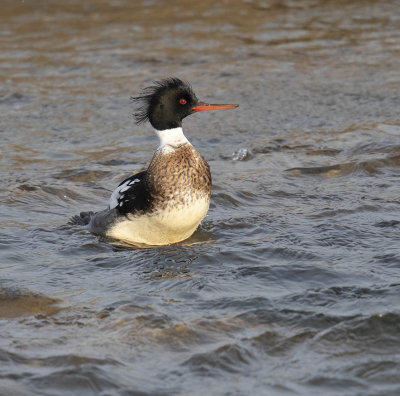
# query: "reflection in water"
289,286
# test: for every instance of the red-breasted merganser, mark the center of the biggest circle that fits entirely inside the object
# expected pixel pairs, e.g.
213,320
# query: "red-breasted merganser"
166,203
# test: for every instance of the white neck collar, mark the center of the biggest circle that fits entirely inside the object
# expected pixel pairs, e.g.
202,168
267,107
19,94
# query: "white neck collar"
170,139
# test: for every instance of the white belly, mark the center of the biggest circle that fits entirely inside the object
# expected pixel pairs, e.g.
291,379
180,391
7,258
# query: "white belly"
173,224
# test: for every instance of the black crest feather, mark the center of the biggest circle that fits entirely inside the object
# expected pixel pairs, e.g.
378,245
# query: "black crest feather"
145,98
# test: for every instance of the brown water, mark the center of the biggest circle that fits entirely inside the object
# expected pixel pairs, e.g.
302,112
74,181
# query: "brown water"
290,287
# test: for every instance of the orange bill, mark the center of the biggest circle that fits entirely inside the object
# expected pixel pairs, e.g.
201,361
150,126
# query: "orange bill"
201,106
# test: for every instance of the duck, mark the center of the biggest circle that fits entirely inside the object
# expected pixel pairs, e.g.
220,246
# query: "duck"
165,203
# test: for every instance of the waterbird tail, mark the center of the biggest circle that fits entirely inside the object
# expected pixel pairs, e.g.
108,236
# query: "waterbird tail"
82,219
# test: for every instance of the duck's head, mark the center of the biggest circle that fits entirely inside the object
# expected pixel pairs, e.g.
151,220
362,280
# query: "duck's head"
168,102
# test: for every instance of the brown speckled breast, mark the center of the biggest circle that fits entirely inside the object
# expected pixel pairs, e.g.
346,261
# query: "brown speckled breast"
180,176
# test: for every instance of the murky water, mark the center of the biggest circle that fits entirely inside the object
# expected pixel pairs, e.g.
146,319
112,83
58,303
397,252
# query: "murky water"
290,287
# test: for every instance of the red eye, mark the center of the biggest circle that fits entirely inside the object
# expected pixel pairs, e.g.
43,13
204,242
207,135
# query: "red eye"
182,101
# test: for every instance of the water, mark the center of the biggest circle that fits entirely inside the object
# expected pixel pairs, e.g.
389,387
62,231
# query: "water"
290,287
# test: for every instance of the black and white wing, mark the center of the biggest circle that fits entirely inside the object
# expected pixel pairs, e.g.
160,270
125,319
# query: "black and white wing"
130,195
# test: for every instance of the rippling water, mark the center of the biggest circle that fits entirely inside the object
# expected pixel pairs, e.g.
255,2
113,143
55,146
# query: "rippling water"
291,285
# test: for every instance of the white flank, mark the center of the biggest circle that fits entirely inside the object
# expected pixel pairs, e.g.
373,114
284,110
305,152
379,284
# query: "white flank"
116,194
174,224
170,139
